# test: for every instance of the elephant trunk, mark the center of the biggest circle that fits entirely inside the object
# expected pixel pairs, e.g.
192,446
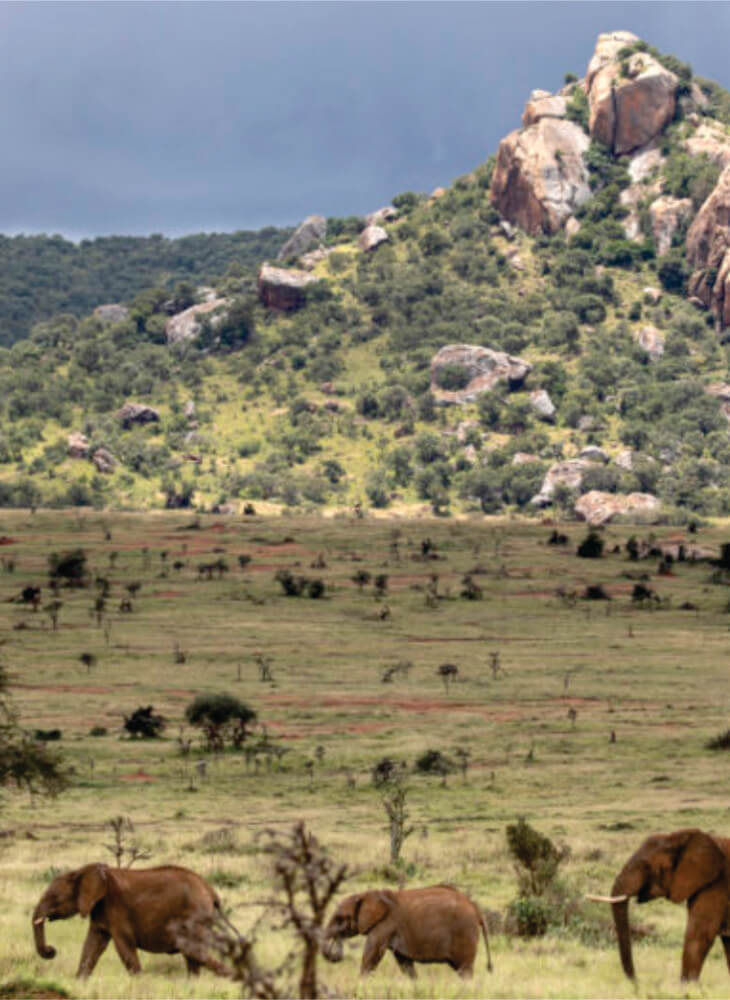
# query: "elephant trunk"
331,946
39,931
629,882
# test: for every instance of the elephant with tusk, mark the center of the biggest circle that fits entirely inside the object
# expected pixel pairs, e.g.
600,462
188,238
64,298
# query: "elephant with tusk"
687,866
167,909
435,924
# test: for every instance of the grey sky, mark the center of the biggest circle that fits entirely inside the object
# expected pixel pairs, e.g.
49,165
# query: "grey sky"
186,117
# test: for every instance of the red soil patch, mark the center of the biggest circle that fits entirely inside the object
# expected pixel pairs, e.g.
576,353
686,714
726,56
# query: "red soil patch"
6,540
166,593
286,548
67,688
139,775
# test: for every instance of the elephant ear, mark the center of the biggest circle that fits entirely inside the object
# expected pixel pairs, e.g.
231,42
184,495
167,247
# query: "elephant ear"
700,862
93,886
373,907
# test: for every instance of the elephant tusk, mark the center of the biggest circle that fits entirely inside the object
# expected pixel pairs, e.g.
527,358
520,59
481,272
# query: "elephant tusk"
39,920
607,899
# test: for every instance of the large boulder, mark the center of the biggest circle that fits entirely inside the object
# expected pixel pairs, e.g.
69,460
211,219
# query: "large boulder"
710,139
307,235
597,507
651,340
543,405
708,240
283,288
483,368
77,445
630,99
137,414
186,325
371,237
540,177
667,214
543,104
568,473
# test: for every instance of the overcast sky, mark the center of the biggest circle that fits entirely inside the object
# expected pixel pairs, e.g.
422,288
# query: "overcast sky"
170,117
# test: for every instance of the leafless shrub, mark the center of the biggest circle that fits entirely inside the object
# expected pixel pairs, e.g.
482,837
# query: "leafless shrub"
123,830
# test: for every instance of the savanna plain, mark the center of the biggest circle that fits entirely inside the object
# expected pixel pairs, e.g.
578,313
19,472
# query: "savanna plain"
588,718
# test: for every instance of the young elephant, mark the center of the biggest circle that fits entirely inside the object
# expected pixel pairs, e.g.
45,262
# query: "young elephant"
164,910
436,924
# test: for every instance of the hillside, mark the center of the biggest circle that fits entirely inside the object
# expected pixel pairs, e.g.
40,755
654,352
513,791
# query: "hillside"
44,275
549,326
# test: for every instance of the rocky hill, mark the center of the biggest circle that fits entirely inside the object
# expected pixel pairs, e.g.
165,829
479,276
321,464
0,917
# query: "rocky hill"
549,331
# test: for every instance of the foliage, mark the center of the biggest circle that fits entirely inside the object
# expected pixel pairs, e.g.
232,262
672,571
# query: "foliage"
591,547
220,716
145,723
535,857
25,762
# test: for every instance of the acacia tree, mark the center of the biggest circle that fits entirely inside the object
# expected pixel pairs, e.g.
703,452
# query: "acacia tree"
24,762
219,716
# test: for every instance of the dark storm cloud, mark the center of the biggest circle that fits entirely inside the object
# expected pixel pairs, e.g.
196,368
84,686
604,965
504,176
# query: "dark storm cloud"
180,117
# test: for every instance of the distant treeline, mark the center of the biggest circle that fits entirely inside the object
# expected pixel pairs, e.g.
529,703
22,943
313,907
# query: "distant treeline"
44,275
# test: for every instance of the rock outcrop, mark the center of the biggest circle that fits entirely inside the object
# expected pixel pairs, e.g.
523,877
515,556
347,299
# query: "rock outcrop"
543,405
710,139
597,507
306,236
651,340
283,288
104,461
666,215
77,445
483,368
540,177
543,104
721,392
630,99
371,237
186,325
385,214
568,473
111,313
708,251
137,414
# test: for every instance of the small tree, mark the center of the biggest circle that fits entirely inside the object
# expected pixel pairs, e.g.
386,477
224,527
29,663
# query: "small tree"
144,723
220,715
123,830
536,858
447,672
591,547
24,762
68,567
394,803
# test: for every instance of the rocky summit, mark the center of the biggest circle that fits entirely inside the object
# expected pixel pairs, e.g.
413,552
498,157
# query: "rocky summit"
546,333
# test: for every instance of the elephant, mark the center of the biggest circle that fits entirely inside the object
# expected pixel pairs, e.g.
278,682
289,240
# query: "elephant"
164,909
434,924
684,866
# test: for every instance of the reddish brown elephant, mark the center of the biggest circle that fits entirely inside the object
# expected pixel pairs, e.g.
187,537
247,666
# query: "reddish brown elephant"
164,910
435,924
687,866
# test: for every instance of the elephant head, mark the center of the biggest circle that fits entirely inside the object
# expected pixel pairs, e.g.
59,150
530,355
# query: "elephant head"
356,914
673,866
68,894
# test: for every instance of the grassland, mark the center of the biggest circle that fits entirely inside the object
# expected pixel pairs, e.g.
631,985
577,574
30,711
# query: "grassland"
539,733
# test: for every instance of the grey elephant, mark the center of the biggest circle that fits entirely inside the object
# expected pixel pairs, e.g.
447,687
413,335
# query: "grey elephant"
434,924
165,910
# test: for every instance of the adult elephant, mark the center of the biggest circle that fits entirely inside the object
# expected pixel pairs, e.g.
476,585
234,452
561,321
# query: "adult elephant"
167,909
434,924
685,866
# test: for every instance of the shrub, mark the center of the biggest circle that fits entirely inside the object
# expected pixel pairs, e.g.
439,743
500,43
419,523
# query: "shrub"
530,916
591,547
452,377
719,742
535,857
219,716
144,723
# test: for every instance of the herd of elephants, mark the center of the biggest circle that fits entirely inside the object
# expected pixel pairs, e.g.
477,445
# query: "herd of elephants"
167,910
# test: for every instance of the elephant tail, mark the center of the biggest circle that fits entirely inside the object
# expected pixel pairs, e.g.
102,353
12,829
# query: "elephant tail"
485,935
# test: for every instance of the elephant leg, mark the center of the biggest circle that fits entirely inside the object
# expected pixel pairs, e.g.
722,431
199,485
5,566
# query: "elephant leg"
466,971
726,946
376,945
193,966
704,920
94,945
406,964
125,944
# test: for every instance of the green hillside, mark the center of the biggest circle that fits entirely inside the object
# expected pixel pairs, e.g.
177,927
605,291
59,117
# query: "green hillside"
332,404
44,275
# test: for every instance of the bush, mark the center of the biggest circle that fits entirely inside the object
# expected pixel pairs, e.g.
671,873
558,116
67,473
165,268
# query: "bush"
219,716
591,547
535,856
144,723
530,916
452,377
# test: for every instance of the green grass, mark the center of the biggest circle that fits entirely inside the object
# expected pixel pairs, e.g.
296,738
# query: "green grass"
657,679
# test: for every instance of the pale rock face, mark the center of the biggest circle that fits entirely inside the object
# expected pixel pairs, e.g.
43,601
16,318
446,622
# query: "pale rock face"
543,405
627,112
597,507
570,473
708,240
77,445
721,391
625,459
186,325
371,237
607,49
438,192
644,163
283,288
137,414
651,294
572,226
385,214
666,214
111,313
543,105
651,340
310,260
484,367
104,461
540,177
712,140
630,197
524,458
592,453
307,235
